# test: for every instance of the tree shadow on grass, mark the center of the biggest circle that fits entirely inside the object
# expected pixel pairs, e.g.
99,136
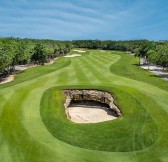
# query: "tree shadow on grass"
155,76
163,76
19,71
135,65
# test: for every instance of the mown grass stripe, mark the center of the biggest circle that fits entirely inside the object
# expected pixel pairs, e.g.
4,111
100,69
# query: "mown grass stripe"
108,76
88,72
62,77
99,76
99,57
80,74
21,146
106,56
99,70
110,59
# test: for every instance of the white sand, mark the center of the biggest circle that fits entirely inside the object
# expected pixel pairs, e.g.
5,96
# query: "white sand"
7,79
81,51
21,68
51,61
90,115
152,68
17,68
102,50
157,70
74,55
128,52
24,67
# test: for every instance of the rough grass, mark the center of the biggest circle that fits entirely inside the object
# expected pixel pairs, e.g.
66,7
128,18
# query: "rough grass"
34,127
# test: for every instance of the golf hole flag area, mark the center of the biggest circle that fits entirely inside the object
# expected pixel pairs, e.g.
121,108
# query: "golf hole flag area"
34,126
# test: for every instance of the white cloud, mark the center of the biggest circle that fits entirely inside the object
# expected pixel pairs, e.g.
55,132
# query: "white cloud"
85,18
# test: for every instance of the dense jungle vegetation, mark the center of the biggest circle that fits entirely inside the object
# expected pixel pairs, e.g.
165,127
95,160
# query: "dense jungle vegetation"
17,51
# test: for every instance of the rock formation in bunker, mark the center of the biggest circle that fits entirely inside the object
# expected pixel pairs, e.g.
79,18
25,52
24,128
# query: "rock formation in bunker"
90,95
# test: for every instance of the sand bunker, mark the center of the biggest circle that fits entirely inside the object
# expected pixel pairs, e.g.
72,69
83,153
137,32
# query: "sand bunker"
90,114
81,51
102,50
22,68
90,106
74,55
8,79
157,70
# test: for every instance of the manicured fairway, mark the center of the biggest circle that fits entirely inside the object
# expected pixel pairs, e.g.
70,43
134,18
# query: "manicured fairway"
34,127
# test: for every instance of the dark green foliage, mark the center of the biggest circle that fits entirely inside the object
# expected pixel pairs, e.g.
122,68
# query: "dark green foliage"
15,51
40,54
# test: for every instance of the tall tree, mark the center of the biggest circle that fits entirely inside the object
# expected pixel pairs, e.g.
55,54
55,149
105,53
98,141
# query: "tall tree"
162,51
40,54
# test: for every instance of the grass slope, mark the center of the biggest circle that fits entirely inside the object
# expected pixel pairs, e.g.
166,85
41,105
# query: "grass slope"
34,128
107,136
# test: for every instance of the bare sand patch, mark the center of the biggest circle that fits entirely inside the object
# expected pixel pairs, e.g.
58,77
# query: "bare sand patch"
21,68
74,55
157,70
51,61
81,51
24,67
152,67
90,114
7,79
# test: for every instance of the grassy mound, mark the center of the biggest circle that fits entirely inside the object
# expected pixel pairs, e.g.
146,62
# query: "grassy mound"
136,129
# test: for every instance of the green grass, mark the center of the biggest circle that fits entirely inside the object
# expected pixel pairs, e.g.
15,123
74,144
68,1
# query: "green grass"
36,72
128,67
34,127
90,136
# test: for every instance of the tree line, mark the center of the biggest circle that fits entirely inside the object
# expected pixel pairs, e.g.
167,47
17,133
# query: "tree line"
16,51
153,52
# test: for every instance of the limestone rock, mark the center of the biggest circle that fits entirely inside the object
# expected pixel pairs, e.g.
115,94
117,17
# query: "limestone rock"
94,95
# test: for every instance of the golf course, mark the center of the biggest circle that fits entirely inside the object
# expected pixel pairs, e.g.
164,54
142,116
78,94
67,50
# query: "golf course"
34,126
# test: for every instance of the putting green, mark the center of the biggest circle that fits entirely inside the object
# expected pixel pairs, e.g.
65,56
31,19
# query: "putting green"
34,127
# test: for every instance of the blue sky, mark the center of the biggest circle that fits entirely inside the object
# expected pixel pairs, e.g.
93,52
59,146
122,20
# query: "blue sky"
84,19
